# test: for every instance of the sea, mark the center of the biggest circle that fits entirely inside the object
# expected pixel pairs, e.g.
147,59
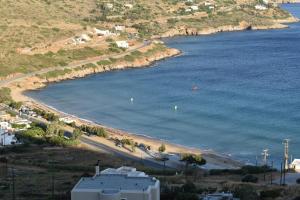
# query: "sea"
235,93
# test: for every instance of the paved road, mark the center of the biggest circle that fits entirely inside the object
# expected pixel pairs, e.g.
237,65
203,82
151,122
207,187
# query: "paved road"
122,154
72,65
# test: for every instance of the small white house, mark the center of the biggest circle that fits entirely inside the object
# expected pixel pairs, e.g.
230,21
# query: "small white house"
81,39
128,5
109,5
266,2
102,32
24,122
260,7
122,44
188,10
7,138
296,165
85,37
119,28
66,120
5,126
207,3
195,7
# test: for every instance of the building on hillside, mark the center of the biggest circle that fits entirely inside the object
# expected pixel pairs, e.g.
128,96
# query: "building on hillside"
124,183
109,5
119,28
261,7
122,44
66,120
128,5
102,32
5,125
22,122
7,138
295,165
195,7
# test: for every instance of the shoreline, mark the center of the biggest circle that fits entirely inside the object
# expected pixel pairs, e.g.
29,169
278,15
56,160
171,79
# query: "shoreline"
19,87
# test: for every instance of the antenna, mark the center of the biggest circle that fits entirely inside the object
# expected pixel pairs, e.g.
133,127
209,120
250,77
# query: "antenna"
265,154
286,153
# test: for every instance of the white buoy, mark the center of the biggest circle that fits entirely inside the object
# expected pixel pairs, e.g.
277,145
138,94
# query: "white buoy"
131,99
175,107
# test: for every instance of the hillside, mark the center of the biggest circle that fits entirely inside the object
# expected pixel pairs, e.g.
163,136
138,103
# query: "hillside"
42,28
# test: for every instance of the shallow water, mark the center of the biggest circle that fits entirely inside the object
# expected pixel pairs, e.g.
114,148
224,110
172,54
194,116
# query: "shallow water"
248,95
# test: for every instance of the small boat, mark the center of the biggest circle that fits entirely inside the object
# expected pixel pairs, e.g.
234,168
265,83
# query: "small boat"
195,87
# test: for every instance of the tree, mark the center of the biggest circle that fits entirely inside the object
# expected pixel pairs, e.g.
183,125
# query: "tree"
162,148
76,133
52,129
193,159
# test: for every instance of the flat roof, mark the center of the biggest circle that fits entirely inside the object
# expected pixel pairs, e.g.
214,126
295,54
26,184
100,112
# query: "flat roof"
115,182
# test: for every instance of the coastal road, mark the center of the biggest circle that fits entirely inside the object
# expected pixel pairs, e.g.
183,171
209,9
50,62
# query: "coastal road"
75,64
121,154
100,146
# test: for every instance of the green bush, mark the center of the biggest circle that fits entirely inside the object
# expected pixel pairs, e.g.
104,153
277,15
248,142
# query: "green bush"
5,95
250,179
104,62
129,58
270,194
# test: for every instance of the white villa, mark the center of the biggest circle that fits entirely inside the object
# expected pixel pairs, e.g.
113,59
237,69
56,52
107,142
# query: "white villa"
66,120
261,7
5,126
128,5
122,44
195,7
7,138
295,165
119,28
102,32
83,38
124,183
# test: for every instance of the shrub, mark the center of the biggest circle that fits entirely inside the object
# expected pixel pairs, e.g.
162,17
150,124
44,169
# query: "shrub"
104,62
129,58
270,193
5,95
250,178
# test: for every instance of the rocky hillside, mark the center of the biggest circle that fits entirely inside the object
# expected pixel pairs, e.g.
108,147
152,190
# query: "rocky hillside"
28,24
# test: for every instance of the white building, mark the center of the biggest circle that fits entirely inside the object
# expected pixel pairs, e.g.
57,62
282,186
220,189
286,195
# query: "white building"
7,138
109,5
119,28
102,32
266,2
261,7
66,120
124,183
5,126
20,121
295,165
122,44
195,7
83,38
128,5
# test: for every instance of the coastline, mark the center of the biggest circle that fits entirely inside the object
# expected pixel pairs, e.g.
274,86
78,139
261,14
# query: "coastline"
33,82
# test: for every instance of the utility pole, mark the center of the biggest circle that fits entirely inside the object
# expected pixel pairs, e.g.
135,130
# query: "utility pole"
265,155
272,173
13,184
281,173
286,153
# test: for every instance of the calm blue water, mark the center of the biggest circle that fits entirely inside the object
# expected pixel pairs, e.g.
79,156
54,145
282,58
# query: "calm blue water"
248,97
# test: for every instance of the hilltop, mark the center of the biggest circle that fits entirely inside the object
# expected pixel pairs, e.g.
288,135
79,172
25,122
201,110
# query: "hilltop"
35,34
